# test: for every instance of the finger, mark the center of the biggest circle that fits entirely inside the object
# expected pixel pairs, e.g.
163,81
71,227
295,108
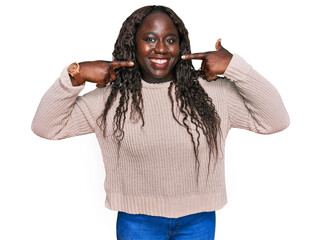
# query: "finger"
203,66
211,77
118,64
194,56
100,85
218,45
103,83
112,75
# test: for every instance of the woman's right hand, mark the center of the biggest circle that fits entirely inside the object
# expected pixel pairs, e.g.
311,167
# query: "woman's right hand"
100,72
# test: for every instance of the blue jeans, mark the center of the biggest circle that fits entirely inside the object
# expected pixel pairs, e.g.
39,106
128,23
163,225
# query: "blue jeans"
198,226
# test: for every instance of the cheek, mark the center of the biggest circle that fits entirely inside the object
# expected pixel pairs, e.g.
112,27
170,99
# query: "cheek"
175,51
143,49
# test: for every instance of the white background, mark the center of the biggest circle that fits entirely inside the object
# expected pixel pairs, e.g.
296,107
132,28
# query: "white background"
54,189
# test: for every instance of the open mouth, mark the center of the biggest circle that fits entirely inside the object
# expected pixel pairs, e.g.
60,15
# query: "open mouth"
159,62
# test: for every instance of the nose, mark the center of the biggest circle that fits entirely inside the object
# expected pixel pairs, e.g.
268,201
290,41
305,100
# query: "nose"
160,47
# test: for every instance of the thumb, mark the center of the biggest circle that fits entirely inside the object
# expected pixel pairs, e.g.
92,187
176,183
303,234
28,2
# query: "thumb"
218,44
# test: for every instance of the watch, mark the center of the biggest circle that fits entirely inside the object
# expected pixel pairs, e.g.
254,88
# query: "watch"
73,70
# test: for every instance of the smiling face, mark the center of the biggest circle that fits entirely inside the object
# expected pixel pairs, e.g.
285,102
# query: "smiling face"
157,47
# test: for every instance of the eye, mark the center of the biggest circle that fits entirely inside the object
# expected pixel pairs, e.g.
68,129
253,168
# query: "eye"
170,40
150,40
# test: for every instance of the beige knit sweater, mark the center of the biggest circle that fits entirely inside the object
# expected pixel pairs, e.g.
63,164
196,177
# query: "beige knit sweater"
155,173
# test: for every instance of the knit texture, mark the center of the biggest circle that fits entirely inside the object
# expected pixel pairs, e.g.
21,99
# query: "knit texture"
155,172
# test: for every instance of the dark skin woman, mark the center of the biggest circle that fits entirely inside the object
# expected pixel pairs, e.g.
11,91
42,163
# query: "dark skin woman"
157,53
161,168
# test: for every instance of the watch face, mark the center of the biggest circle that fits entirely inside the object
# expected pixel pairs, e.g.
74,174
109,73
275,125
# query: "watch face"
72,67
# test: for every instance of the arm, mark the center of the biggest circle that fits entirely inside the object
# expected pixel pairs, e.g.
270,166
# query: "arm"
254,103
62,113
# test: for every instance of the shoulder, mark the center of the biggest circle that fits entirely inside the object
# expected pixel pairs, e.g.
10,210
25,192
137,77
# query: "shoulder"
98,94
94,101
221,85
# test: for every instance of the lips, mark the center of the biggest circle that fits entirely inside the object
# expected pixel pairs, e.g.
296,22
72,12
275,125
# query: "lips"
159,62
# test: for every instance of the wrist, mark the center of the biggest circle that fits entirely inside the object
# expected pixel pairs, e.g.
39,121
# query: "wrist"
74,74
74,81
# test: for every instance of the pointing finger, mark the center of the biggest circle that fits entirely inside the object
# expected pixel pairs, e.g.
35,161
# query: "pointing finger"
194,56
118,64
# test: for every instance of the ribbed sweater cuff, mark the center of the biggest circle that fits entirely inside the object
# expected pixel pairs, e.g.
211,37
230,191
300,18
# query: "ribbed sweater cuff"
66,84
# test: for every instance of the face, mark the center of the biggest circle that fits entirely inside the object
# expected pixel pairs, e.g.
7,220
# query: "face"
157,47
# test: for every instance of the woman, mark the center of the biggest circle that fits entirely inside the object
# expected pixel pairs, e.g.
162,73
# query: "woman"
161,124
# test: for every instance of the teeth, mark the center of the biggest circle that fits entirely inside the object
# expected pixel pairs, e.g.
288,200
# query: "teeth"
159,61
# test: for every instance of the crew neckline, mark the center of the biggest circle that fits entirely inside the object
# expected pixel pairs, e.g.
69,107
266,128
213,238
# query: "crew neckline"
155,85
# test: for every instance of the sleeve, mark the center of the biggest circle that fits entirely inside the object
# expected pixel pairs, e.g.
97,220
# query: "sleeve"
253,102
62,113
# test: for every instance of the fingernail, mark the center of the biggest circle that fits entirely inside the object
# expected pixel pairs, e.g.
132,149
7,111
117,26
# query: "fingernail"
183,56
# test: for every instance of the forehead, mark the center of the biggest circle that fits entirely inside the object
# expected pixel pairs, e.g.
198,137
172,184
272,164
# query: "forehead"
157,22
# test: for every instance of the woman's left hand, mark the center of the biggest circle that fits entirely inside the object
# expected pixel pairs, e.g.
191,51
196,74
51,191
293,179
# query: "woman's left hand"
214,62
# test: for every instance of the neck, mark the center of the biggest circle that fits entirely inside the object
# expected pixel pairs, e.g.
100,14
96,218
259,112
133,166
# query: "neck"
150,79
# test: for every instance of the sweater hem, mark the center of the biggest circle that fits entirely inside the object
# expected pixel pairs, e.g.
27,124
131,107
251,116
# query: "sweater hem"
166,207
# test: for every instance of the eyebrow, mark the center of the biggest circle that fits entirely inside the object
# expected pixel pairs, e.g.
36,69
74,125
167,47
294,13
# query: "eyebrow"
170,34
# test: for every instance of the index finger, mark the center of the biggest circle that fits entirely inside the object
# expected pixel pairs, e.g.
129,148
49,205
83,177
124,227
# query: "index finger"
194,56
118,64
